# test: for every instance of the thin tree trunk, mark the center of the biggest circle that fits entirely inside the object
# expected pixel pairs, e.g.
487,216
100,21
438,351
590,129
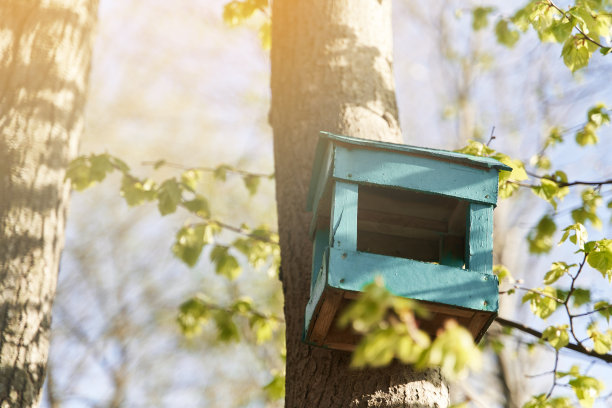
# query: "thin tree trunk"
331,70
45,54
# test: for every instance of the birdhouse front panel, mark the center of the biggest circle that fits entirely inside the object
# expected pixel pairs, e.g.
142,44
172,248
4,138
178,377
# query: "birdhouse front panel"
421,219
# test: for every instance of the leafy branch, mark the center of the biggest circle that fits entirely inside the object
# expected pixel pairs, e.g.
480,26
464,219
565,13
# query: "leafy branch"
197,311
219,172
567,16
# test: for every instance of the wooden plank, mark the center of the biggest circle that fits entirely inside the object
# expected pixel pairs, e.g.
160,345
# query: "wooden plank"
402,220
421,247
391,232
413,279
457,222
415,173
408,149
480,323
343,223
412,203
318,248
324,316
452,251
448,310
479,248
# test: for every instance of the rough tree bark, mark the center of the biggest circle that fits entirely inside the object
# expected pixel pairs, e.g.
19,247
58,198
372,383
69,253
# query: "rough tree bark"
331,70
45,54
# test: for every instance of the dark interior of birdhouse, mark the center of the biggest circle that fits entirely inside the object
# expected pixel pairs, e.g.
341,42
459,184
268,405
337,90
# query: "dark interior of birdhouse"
413,225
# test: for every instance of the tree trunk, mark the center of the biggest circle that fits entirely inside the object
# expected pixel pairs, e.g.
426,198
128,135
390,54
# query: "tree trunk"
331,70
45,53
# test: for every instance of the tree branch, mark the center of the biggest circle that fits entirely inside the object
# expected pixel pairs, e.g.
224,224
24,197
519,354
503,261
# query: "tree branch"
574,347
178,166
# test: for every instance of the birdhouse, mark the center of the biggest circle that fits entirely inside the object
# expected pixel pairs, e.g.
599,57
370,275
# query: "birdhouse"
422,219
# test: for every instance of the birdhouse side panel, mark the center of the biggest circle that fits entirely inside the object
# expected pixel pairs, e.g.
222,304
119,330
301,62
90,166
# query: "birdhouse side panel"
417,173
343,221
479,248
321,241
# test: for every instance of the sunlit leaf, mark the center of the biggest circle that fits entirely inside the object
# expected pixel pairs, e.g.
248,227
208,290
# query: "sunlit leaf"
169,196
225,263
556,336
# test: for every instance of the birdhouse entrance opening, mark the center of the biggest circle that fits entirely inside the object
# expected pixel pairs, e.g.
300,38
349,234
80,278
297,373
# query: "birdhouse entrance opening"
413,225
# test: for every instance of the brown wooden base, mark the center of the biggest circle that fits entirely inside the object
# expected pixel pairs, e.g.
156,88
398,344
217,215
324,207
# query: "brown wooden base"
324,330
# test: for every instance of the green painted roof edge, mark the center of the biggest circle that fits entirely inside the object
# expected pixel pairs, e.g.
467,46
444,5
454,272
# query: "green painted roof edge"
327,137
486,162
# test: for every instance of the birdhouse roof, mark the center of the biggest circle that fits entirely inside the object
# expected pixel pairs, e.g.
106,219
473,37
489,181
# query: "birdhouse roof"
329,139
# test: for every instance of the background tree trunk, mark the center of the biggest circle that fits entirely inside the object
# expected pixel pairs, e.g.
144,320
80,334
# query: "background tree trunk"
45,53
331,70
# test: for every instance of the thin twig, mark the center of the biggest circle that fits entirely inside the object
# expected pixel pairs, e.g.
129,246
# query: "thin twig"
207,169
554,373
556,299
492,137
571,346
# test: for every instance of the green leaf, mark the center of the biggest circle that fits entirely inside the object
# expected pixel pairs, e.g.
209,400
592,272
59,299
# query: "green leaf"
476,149
251,183
561,30
587,135
598,115
159,163
220,172
225,264
577,235
505,35
191,178
375,349
135,191
169,196
587,389
550,189
480,17
263,328
581,297
192,315
190,241
602,342
600,258
576,53
502,273
603,308
542,306
540,240
542,401
85,171
557,336
236,12
369,309
265,35
198,206
506,178
227,331
557,270
542,162
554,137
275,389
454,351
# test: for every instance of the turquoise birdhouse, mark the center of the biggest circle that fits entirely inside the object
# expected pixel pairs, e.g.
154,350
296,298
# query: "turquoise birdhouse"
421,219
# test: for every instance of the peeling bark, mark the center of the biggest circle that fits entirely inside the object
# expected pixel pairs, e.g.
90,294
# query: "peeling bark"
45,53
331,70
